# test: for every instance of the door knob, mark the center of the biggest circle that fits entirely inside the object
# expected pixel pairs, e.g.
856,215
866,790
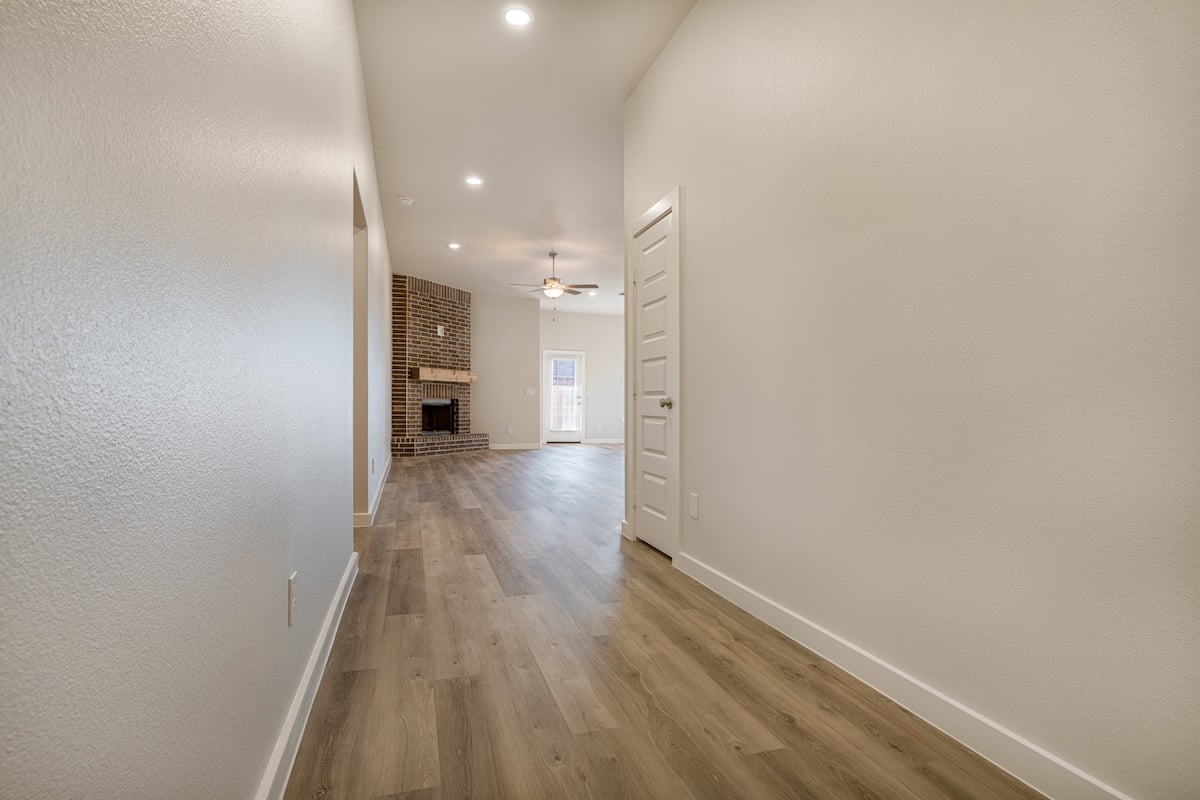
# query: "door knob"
666,402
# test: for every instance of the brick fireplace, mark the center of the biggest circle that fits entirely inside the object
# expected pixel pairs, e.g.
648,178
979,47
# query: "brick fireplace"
431,354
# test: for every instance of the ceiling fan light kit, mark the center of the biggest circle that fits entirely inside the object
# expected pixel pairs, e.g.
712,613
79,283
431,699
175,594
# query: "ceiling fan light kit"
553,287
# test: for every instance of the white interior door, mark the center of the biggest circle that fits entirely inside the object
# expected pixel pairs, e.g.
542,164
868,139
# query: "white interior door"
563,389
655,257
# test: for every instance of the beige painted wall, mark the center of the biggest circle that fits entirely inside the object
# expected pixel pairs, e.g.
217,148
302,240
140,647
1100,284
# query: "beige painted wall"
602,338
504,353
955,248
175,378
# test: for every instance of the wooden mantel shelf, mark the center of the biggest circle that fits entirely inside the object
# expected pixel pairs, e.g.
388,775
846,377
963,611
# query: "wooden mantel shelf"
437,375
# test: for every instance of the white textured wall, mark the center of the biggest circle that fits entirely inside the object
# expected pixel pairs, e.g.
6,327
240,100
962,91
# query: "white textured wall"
955,249
175,382
602,338
504,353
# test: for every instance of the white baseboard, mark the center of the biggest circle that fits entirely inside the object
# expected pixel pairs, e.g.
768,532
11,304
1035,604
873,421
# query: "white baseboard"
534,446
365,519
279,767
627,532
604,441
1044,771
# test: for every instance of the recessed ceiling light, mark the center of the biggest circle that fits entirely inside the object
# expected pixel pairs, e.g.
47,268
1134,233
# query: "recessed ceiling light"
454,245
592,294
518,16
474,180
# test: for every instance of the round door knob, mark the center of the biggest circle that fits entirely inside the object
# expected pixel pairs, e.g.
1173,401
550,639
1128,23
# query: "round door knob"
666,402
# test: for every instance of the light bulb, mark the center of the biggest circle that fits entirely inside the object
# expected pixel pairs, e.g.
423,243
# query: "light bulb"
518,17
553,292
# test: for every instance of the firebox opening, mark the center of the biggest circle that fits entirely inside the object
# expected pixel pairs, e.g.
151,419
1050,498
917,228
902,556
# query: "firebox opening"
438,416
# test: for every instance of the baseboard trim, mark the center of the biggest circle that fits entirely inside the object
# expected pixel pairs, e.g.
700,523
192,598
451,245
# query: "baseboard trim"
1044,771
279,767
534,446
627,532
604,441
365,519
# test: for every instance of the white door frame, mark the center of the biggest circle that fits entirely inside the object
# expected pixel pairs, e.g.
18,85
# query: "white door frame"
581,381
672,203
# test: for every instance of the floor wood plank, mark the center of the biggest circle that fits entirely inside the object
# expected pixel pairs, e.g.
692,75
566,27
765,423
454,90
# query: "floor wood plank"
499,643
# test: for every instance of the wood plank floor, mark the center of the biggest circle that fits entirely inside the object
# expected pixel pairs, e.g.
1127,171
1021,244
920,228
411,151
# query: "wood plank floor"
503,640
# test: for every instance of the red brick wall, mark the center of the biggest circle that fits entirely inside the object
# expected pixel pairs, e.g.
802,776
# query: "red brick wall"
418,308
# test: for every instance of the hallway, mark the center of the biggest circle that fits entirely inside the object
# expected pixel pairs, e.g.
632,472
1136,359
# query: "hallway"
503,640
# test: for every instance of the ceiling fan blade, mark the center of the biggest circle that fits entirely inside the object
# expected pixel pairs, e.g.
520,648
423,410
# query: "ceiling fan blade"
527,284
572,291
534,291
583,286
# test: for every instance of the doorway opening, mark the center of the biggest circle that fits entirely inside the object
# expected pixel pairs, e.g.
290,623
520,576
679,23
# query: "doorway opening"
563,376
359,379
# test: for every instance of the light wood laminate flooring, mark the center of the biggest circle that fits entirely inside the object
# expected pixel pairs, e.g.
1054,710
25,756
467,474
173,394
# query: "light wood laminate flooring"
503,641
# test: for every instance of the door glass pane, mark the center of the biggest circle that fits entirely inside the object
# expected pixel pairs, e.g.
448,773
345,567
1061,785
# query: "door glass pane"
564,395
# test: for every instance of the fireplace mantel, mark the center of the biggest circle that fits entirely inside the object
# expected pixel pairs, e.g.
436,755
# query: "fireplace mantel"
439,375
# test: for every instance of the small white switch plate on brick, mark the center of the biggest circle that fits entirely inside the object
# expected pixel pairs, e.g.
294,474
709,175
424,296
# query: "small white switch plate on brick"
693,505
291,598
441,331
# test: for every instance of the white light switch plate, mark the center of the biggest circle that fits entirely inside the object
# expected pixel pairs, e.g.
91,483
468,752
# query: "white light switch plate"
694,505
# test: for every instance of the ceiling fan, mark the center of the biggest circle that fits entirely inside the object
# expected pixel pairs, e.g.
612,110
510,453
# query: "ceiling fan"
553,287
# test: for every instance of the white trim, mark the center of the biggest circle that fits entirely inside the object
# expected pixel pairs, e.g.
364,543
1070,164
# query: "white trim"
603,441
279,767
627,530
365,519
1044,771
521,446
629,523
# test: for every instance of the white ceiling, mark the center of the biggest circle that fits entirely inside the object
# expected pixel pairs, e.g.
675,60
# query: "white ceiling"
453,90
